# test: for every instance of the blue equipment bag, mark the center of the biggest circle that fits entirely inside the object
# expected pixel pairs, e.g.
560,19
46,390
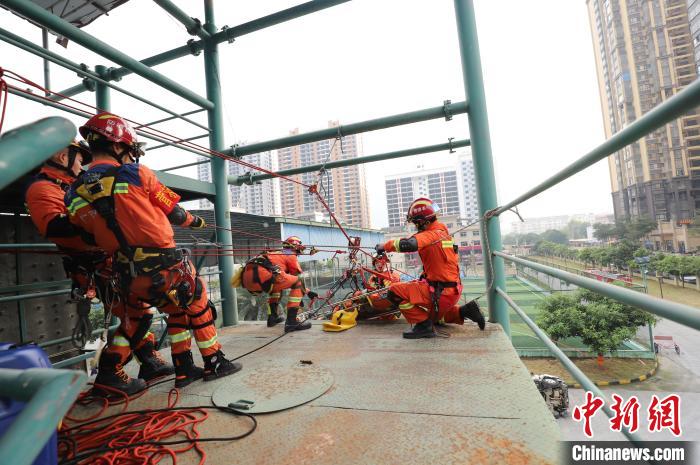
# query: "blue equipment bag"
20,358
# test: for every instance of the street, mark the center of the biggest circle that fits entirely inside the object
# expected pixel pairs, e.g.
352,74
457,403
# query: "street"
677,374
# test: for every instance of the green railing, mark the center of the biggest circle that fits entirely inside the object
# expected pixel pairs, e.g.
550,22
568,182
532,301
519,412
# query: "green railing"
49,395
14,146
664,113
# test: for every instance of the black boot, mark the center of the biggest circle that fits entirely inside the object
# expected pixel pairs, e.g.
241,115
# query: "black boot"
185,370
420,330
152,363
217,366
273,318
472,311
110,373
292,324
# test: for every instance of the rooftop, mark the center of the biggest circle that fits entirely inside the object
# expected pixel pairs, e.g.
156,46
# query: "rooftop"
465,398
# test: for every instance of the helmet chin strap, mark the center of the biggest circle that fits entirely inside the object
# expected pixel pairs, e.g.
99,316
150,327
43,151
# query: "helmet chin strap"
68,169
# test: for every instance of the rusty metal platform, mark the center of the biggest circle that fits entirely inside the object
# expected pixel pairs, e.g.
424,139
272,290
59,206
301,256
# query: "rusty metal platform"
466,399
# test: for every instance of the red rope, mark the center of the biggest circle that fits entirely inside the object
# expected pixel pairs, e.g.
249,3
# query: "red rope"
3,98
143,127
313,189
89,434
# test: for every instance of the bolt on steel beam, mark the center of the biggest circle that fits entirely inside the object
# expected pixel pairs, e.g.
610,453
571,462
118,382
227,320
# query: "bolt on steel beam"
445,111
43,17
225,35
251,178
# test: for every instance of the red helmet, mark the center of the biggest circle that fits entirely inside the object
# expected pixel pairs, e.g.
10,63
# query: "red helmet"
293,242
422,209
114,129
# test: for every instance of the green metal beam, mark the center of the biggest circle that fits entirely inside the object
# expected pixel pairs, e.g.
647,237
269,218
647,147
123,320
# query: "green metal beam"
31,47
570,366
170,118
182,183
201,136
252,178
34,295
47,65
226,35
192,25
96,76
26,147
673,108
445,111
48,102
103,97
49,393
683,314
494,272
222,208
186,165
43,17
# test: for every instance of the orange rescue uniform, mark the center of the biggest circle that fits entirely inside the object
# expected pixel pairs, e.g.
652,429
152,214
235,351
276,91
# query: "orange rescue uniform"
288,278
440,265
141,205
45,202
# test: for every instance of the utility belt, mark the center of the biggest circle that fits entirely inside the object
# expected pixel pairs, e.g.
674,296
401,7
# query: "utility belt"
255,264
84,262
436,288
148,260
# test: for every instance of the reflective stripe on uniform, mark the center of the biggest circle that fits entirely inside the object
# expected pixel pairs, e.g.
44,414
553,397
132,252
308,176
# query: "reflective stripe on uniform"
448,244
121,188
76,205
405,306
295,299
148,334
180,337
207,344
396,244
120,341
275,294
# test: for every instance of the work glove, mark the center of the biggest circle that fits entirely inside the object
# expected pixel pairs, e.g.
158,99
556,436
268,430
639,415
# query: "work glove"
379,248
197,222
312,295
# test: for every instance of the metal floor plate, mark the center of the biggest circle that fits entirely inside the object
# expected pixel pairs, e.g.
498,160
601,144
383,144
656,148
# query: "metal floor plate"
466,399
273,388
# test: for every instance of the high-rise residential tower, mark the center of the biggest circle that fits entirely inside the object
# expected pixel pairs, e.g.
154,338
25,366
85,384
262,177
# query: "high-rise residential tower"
453,188
343,188
644,55
257,199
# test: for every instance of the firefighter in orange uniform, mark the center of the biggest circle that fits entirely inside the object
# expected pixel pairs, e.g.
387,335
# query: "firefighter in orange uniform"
435,296
273,272
376,300
84,262
130,213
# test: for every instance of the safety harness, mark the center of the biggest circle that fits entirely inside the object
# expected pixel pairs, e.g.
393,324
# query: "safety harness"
262,261
98,190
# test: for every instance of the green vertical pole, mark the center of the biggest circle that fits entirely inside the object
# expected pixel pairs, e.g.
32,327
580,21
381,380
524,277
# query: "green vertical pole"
229,305
494,271
102,92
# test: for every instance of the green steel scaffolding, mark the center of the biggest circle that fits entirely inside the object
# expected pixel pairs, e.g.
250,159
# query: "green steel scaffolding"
56,132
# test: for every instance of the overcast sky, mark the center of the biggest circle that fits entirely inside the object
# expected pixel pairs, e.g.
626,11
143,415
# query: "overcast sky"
367,59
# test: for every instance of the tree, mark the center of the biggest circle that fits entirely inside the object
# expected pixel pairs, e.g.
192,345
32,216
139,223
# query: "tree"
601,323
530,238
604,232
553,235
638,228
576,229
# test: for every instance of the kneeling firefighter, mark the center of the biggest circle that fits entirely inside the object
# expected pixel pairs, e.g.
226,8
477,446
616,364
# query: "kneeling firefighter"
274,271
435,296
130,213
88,266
